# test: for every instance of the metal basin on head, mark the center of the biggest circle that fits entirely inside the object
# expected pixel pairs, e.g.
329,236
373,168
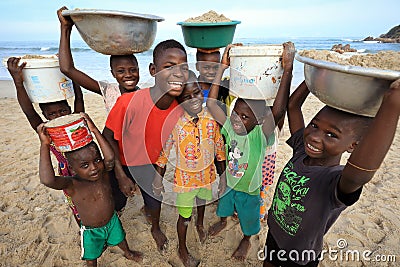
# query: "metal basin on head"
113,32
353,89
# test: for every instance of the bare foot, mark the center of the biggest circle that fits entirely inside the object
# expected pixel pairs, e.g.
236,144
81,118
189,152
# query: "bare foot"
235,217
161,239
216,228
134,255
202,234
241,251
146,215
187,259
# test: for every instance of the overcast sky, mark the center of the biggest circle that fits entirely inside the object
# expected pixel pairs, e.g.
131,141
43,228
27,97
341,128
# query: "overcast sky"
37,19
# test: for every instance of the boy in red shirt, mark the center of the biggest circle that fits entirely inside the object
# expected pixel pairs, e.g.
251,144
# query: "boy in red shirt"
139,123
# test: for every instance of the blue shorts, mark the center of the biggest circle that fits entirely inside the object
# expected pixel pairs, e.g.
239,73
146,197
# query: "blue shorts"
94,239
247,207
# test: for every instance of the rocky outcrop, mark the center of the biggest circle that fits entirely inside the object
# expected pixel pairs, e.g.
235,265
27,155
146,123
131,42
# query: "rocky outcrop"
339,48
392,36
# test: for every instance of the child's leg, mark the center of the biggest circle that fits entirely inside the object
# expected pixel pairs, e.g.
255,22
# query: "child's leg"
226,207
183,252
91,263
216,228
243,248
130,254
248,209
143,176
201,207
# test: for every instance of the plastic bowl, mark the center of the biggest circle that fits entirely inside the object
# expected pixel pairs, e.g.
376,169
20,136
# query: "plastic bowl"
353,89
208,35
113,32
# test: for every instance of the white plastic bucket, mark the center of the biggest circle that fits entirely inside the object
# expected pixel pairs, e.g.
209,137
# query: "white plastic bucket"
256,71
43,79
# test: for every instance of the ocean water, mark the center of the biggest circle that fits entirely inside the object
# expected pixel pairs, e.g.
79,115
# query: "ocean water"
96,65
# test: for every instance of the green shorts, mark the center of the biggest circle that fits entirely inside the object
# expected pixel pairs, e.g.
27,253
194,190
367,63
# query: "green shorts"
247,207
185,201
93,240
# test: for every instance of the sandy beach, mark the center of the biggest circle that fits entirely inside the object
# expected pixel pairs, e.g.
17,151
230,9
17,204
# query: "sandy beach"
37,227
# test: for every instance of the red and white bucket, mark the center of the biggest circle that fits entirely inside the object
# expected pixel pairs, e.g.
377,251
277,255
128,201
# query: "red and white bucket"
69,132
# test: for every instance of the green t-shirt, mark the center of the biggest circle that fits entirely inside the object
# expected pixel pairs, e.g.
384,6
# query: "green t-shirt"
245,156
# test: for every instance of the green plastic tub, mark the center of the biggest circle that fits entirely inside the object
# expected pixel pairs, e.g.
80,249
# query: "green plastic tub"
208,35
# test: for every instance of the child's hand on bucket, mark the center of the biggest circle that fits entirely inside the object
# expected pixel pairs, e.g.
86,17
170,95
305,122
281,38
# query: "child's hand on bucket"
225,61
92,127
288,55
43,135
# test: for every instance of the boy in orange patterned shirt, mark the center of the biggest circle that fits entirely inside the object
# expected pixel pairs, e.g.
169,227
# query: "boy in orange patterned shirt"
198,142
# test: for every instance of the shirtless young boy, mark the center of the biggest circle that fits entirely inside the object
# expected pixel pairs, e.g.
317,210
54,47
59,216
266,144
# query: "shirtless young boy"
91,193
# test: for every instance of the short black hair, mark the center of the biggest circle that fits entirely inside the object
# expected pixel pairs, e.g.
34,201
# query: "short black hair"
200,55
70,154
257,106
116,57
359,124
164,45
60,102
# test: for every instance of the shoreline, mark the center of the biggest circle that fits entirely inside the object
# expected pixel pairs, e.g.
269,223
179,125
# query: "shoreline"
7,89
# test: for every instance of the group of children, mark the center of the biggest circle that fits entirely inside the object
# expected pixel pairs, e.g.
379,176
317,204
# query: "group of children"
143,126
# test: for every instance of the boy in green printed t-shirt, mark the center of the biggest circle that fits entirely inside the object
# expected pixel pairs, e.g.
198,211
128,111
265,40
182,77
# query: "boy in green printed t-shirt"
247,132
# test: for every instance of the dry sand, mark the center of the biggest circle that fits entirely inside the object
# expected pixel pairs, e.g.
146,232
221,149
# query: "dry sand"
37,228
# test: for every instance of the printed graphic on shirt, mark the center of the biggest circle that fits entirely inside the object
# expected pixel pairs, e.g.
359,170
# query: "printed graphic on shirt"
287,205
235,168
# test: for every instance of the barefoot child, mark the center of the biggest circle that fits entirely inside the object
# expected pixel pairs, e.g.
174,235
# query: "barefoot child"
90,190
140,121
313,188
248,131
197,141
124,68
50,110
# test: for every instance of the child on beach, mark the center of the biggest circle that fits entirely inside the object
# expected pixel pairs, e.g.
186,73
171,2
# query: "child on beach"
247,132
124,68
50,110
140,122
313,188
197,141
207,64
90,189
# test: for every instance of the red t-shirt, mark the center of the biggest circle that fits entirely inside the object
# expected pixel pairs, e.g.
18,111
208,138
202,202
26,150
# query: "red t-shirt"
140,127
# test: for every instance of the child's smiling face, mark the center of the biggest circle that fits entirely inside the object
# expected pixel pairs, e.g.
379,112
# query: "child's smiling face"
126,71
242,119
329,134
171,71
192,98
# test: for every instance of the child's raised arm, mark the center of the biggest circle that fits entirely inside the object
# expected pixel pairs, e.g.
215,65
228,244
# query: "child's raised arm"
79,106
46,171
296,100
212,103
23,98
106,149
65,57
370,152
282,96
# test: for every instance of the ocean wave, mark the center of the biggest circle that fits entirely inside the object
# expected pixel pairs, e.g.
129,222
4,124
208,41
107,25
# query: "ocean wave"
43,49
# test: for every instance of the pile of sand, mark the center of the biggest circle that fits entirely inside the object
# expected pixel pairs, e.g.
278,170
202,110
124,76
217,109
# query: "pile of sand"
210,16
386,60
